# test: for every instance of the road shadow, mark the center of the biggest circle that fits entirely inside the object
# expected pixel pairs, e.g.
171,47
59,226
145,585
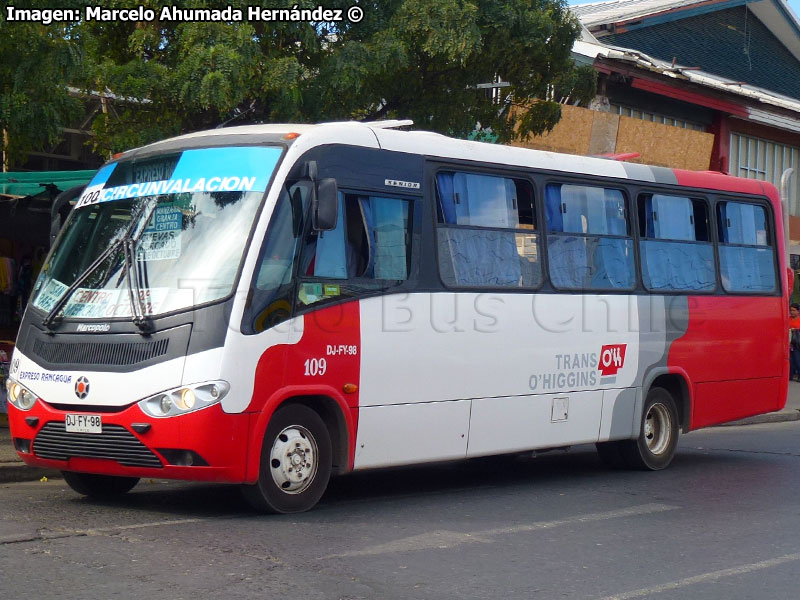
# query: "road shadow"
543,473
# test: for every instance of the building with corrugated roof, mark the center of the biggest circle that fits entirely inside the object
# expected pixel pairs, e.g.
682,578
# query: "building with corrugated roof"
728,70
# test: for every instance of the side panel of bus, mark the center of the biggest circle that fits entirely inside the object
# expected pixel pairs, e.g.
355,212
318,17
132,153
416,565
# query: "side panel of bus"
431,373
731,357
734,349
518,371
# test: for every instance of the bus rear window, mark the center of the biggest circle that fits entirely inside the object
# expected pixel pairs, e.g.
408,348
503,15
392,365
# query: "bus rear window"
746,256
677,254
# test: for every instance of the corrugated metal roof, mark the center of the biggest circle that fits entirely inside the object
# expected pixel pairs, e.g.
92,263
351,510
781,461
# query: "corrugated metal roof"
759,103
613,11
767,99
731,43
777,15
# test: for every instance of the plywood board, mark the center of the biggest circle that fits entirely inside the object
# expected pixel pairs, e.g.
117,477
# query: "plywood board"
572,134
589,132
665,145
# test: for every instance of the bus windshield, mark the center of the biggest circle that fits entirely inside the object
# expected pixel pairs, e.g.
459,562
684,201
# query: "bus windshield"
188,217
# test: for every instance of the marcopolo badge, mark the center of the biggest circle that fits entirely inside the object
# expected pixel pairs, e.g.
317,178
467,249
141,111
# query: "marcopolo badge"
82,387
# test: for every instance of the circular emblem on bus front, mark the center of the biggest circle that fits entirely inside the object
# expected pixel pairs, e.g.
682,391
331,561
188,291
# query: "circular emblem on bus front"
82,387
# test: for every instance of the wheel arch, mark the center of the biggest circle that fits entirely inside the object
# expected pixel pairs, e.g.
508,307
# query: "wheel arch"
339,419
331,413
677,385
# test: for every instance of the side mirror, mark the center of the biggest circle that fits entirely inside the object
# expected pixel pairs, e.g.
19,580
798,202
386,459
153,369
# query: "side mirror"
325,205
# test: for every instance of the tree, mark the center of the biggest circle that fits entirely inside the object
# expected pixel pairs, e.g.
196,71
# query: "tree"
418,59
37,64
423,59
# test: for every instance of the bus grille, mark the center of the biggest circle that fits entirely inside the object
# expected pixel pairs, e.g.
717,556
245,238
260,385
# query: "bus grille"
115,443
103,353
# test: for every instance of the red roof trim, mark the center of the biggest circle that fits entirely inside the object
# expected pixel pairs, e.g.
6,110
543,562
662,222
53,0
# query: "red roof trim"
689,96
726,183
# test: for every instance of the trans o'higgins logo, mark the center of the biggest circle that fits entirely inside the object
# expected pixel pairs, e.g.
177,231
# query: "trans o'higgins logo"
82,387
580,370
612,357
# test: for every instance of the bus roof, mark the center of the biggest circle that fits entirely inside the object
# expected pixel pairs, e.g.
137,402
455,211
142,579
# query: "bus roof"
384,135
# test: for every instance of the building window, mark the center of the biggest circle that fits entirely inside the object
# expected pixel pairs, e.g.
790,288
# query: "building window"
628,111
755,158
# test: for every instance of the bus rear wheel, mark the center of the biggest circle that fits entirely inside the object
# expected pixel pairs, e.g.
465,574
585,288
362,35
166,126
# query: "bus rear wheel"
295,462
100,487
655,447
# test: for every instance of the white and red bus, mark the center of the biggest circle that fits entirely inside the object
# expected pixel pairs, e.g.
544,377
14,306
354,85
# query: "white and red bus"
272,305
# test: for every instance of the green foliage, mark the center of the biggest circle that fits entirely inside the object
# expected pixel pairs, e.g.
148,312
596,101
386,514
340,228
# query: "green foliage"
36,64
418,59
578,85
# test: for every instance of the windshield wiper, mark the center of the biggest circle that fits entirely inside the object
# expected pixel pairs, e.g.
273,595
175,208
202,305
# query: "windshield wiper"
140,318
105,255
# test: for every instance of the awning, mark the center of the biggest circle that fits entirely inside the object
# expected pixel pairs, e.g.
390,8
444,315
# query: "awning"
19,184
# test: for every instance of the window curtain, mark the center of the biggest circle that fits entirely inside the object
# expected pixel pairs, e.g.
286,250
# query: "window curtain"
672,218
385,221
447,203
552,204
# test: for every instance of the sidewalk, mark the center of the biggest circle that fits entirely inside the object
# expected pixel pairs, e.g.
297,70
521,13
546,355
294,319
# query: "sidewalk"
13,469
11,466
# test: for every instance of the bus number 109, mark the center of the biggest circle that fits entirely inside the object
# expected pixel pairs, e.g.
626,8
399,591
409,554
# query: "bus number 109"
315,367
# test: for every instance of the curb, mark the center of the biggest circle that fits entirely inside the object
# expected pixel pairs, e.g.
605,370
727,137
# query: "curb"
17,472
774,417
12,469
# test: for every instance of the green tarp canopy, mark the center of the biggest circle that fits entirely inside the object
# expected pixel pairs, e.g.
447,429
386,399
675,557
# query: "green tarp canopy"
32,183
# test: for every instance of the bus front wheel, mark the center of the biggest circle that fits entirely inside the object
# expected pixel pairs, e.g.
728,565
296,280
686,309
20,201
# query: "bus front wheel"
295,462
100,487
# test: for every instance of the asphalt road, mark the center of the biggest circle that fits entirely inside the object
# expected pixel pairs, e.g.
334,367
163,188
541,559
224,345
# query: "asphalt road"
723,522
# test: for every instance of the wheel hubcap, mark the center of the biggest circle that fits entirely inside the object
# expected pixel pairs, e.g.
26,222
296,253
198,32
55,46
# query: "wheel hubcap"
657,428
293,459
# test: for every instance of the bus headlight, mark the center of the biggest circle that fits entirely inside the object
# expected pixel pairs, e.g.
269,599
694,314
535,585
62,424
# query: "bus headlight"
184,399
20,396
187,399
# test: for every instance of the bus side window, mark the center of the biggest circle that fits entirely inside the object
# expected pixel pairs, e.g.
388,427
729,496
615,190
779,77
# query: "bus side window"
486,233
367,251
270,301
677,253
746,253
588,241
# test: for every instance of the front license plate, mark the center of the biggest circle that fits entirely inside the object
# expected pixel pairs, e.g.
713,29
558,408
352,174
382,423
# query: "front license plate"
83,423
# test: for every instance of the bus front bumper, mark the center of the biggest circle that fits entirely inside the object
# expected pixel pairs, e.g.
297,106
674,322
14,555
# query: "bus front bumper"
205,445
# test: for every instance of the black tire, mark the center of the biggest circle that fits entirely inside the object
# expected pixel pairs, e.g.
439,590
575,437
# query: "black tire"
295,462
655,447
100,487
611,454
